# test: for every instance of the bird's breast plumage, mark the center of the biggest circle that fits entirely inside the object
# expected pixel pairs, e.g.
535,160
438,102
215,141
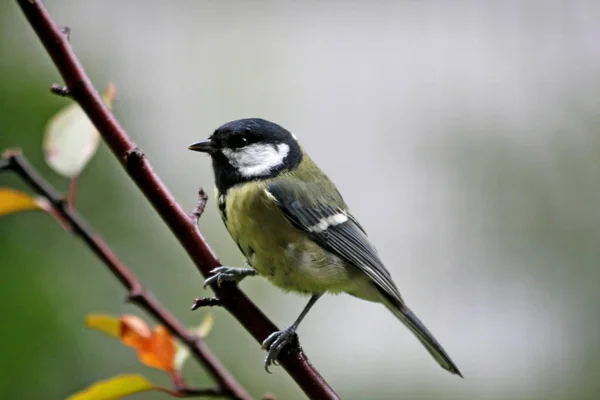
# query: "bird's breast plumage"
278,251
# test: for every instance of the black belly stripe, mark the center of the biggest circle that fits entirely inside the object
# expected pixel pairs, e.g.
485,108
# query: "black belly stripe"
223,209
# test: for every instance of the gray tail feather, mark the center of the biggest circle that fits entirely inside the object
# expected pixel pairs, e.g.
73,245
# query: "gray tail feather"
413,323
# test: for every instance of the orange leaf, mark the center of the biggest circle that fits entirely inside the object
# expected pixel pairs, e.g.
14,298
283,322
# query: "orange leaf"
154,348
12,201
116,387
159,350
134,331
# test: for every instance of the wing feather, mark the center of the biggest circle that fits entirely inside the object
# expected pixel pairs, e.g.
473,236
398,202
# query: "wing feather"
334,229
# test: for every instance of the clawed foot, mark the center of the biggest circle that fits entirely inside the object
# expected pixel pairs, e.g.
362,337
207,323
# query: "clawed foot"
275,343
228,274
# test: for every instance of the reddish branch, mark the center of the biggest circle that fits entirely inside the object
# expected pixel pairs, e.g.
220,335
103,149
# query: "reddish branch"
138,167
68,216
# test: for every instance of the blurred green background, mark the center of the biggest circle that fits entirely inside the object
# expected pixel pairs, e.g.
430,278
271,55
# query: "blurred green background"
464,135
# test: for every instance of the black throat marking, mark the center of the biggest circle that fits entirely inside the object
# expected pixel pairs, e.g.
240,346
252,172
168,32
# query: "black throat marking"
223,206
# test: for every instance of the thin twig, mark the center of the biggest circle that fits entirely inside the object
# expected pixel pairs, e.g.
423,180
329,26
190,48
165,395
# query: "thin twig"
137,294
138,167
72,192
185,391
206,302
199,392
65,30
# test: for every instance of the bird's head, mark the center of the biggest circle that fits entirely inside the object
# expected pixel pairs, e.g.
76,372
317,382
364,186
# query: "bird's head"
249,149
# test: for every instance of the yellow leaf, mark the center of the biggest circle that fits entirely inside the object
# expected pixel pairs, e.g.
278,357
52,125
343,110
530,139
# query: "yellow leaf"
115,388
202,330
104,323
12,201
71,139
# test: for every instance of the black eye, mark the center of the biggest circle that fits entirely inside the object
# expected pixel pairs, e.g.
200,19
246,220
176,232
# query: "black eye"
237,141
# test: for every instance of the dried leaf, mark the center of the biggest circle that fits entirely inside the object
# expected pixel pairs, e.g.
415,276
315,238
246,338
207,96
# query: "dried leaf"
12,201
154,348
202,330
71,139
159,350
134,331
116,388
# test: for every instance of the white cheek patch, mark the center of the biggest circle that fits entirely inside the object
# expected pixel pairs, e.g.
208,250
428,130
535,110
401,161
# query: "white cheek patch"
257,159
327,222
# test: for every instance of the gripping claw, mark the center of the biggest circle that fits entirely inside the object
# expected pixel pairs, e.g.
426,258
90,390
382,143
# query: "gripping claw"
228,274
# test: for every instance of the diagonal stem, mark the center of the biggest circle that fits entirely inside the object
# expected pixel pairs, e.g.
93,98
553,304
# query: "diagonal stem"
227,385
198,392
141,172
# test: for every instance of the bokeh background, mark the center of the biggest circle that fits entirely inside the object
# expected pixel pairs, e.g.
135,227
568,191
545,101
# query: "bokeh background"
464,135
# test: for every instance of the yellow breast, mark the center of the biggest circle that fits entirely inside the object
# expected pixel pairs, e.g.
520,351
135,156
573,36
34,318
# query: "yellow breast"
277,250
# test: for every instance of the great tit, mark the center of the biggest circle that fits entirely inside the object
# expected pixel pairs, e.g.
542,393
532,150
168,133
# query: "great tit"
294,228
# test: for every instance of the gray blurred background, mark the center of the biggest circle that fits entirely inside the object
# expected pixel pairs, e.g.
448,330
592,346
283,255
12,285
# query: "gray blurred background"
464,136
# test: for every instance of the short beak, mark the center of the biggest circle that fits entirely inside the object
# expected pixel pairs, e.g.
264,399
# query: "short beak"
204,146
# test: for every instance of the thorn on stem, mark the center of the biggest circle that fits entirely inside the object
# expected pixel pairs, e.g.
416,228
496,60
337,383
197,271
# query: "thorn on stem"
132,157
60,90
200,205
135,294
206,302
65,30
135,153
269,396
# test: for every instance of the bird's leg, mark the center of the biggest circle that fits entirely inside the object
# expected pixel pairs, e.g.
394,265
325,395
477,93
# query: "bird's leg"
228,274
278,340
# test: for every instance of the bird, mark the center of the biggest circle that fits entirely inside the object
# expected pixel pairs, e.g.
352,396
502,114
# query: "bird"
294,228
